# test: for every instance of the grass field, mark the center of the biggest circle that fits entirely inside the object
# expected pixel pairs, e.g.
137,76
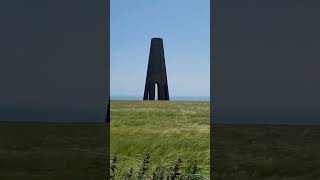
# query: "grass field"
169,130
265,152
78,151
51,151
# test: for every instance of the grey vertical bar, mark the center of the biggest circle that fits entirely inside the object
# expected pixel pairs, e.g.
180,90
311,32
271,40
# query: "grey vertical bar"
107,61
212,76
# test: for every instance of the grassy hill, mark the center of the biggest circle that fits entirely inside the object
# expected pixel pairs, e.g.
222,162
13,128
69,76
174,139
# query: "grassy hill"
266,152
51,151
167,129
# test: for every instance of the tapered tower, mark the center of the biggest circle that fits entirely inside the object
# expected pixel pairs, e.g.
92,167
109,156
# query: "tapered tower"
156,73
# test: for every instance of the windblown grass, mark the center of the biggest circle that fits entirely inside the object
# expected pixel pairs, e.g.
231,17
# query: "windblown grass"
166,129
266,152
51,151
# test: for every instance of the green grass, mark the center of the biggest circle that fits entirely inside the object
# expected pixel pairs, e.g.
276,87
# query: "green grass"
250,152
168,129
78,151
51,151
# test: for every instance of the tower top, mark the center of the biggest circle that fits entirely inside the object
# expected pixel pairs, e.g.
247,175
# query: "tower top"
156,39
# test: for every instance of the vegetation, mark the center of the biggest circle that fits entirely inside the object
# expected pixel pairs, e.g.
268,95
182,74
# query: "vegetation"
156,140
265,152
168,131
51,151
193,172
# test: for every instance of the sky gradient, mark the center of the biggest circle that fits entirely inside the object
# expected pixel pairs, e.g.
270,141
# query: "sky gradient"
267,64
53,60
184,26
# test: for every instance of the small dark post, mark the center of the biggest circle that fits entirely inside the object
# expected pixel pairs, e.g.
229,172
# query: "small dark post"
108,112
156,74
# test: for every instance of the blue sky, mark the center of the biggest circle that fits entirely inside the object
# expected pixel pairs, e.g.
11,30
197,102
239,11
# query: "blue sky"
184,26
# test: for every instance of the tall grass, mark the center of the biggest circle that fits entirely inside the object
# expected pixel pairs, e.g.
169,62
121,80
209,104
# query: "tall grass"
174,172
169,130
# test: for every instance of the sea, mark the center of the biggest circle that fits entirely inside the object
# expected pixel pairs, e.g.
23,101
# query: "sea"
172,98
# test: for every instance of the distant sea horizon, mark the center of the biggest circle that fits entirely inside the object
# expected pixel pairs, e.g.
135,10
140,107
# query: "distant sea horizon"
172,98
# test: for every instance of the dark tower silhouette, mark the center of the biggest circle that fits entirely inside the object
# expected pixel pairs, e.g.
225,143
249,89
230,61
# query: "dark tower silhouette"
156,74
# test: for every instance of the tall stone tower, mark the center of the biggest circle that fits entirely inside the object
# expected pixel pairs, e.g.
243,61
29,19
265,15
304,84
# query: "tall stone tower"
156,74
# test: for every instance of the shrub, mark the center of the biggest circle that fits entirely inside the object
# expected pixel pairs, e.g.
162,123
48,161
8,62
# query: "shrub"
173,172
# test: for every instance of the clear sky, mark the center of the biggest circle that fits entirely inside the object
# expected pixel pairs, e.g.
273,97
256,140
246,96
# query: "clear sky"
267,62
53,65
184,26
